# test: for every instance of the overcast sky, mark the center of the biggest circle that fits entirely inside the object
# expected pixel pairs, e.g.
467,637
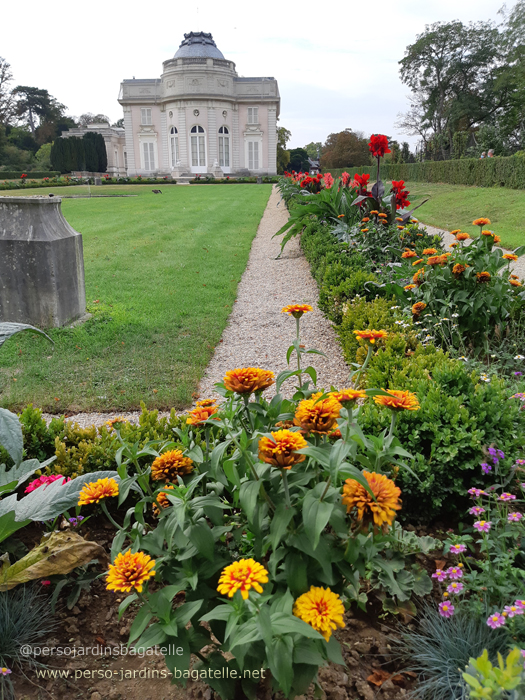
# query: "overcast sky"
336,63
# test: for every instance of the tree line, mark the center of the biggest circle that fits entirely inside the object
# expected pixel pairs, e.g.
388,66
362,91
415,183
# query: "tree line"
31,120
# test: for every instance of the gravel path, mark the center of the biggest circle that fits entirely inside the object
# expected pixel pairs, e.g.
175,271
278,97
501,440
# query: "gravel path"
258,333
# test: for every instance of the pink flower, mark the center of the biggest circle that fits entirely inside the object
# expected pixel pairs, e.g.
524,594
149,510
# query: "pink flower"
520,604
5,671
454,572
476,510
455,587
446,609
440,575
328,180
476,493
44,481
513,610
345,177
507,497
457,548
496,620
45,583
514,517
483,525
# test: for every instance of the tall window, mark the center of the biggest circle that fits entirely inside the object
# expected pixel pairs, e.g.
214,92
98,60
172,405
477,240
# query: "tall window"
253,155
149,155
198,153
224,147
174,146
253,115
145,116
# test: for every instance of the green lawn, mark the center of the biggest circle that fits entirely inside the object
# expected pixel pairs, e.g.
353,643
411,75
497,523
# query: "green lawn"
161,278
456,206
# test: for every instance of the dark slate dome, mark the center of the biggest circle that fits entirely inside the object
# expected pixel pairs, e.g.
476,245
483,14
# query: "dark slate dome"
198,45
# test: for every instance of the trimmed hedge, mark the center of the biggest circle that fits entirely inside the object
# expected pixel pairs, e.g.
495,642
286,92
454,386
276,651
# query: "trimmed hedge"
487,172
15,174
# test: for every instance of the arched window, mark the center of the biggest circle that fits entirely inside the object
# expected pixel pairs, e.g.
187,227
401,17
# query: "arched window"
174,146
224,147
198,151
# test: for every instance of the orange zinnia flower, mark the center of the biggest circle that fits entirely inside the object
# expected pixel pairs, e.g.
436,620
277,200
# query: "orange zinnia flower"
481,222
340,216
201,412
409,287
95,491
429,251
453,245
398,218
169,465
374,211
247,380
382,511
409,254
418,277
115,421
497,239
383,221
462,236
398,400
401,228
382,216
370,336
130,571
483,276
456,230
348,397
458,269
242,575
417,262
162,500
317,416
418,308
510,256
365,219
515,283
281,449
364,230
487,233
435,260
296,310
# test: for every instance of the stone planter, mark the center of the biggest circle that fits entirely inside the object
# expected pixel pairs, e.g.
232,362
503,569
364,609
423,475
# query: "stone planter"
41,263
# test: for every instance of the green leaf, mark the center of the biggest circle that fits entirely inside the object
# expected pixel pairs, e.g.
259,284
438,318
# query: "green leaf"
245,634
264,623
11,437
140,623
8,525
116,545
279,656
280,521
153,636
186,611
320,454
333,649
218,453
289,624
201,536
248,495
316,515
230,469
126,603
221,612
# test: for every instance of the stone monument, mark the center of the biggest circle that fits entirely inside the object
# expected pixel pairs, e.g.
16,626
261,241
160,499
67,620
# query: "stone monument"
41,263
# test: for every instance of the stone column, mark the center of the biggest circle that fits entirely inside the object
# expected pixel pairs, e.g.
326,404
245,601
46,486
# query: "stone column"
41,263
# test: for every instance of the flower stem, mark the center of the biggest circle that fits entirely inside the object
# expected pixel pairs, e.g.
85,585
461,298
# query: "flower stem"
286,490
326,488
106,512
298,352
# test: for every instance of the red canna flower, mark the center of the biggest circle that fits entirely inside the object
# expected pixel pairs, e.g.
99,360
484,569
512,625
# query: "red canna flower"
378,145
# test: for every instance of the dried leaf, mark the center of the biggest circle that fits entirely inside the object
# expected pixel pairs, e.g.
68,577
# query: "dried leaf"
378,677
57,553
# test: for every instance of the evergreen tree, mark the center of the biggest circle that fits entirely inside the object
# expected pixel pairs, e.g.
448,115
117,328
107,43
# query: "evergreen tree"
90,153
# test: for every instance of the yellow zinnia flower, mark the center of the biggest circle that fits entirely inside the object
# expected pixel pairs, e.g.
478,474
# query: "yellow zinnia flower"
510,256
417,262
203,411
364,230
248,380
115,421
409,287
348,397
418,307
370,336
321,609
296,310
162,500
130,571
241,576
315,415
398,400
169,465
481,222
382,511
458,269
95,491
280,449
515,283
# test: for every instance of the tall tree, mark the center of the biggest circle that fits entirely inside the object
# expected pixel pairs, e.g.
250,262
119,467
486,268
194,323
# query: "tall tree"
283,155
6,98
346,149
35,104
313,149
89,118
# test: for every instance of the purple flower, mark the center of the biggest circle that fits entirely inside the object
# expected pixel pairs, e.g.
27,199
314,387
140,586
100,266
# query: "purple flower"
457,548
454,572
517,374
485,468
520,604
496,620
518,396
440,575
446,609
476,510
514,517
495,453
520,461
79,518
5,671
513,610
507,497
476,493
455,587
483,525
